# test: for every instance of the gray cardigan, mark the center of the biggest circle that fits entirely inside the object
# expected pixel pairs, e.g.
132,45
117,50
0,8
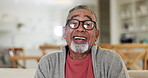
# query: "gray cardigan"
106,64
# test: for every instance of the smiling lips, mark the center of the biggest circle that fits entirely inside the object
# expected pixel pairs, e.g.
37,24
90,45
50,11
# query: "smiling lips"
79,39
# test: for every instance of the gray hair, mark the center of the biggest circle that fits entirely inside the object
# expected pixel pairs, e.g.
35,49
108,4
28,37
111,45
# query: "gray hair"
82,7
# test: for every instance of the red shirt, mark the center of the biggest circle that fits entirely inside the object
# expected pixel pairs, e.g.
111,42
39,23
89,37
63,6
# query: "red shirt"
79,68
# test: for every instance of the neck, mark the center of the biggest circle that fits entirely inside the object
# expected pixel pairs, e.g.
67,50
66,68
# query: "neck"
76,55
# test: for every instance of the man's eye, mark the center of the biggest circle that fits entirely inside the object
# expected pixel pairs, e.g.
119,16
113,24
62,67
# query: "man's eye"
73,25
88,24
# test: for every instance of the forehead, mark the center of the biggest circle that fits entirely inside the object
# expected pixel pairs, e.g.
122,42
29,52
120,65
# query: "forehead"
81,13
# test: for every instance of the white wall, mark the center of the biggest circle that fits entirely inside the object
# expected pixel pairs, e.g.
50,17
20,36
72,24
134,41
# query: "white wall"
38,22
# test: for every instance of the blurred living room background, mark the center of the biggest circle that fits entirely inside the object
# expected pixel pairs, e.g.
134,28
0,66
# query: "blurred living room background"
28,27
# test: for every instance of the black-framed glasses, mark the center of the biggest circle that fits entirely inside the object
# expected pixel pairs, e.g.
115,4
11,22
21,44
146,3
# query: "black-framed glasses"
87,24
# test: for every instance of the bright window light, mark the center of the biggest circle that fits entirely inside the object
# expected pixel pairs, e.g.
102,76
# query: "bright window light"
58,31
62,1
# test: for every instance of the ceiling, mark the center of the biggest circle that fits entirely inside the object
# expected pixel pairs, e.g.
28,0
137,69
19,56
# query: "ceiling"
35,2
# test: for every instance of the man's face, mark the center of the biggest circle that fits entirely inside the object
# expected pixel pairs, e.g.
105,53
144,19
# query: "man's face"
80,35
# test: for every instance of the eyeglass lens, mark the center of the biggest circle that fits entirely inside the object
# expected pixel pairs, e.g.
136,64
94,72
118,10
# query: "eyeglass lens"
86,24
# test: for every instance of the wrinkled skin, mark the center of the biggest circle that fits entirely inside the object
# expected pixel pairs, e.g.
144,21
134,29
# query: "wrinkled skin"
91,35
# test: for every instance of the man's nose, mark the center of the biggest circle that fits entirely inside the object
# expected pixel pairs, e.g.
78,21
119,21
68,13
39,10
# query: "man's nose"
81,28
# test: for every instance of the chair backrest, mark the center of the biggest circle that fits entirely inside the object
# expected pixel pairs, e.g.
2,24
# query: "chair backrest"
105,46
131,53
14,52
43,48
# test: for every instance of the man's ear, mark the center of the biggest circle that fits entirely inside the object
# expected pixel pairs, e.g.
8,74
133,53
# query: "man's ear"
64,30
97,33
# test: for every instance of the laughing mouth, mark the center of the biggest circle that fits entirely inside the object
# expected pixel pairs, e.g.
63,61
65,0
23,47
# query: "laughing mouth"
79,38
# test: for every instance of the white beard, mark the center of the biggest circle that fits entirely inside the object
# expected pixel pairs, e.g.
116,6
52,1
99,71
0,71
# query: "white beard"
80,48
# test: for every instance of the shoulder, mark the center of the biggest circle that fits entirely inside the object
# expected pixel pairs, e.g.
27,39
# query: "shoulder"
104,54
113,62
109,55
54,58
51,56
49,60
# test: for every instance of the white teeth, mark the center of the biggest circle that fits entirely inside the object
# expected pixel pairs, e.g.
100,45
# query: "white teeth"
82,38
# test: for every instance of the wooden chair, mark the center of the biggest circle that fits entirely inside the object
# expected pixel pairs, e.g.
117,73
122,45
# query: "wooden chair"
105,45
131,53
17,54
43,48
14,52
146,61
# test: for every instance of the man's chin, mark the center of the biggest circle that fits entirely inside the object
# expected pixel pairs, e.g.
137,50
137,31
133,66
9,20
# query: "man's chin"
79,47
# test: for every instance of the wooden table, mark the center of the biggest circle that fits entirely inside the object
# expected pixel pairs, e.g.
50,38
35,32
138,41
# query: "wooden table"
16,58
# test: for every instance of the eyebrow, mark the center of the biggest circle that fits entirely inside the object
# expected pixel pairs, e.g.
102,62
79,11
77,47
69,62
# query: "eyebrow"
88,17
79,15
74,16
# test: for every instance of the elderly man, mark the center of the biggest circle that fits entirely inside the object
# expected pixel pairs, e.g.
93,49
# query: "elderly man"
81,58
